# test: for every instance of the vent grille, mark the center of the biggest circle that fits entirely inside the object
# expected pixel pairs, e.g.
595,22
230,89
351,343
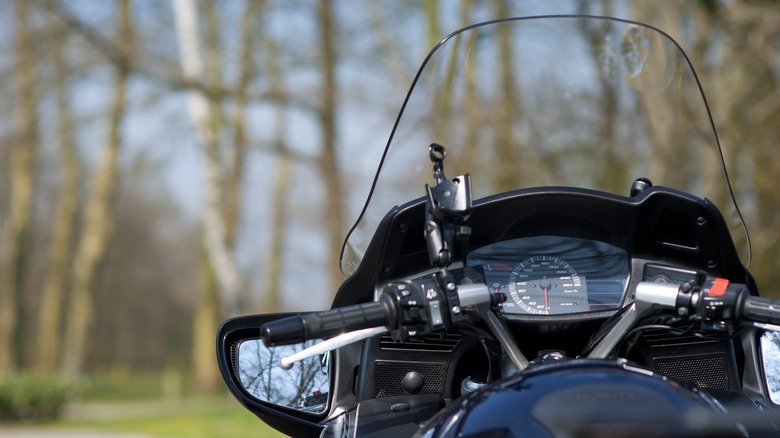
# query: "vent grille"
234,357
663,339
389,377
431,344
704,372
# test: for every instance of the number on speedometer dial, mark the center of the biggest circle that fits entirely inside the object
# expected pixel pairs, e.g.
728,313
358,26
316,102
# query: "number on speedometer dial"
547,285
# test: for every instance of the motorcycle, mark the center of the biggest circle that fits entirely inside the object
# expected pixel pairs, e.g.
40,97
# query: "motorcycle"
582,275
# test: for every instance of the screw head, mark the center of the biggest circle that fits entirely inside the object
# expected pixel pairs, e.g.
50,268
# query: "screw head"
456,310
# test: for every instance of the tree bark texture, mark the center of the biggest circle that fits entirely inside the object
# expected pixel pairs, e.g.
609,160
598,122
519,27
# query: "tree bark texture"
14,230
214,228
52,296
97,222
329,157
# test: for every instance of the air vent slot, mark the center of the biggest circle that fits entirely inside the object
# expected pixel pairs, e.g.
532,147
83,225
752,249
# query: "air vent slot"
431,344
663,339
234,357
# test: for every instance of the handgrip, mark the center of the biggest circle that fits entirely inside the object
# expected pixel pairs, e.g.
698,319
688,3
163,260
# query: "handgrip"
329,323
759,309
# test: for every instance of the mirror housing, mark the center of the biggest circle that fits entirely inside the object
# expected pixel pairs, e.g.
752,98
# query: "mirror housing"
288,420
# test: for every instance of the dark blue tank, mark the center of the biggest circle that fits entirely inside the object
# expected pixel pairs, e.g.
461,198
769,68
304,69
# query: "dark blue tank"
582,398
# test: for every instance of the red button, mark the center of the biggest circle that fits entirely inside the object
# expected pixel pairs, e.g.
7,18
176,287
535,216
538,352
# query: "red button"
718,287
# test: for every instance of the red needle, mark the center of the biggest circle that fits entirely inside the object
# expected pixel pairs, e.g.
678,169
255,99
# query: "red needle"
546,304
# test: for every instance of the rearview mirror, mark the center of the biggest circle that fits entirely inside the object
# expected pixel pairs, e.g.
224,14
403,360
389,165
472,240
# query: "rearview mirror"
770,354
293,402
304,387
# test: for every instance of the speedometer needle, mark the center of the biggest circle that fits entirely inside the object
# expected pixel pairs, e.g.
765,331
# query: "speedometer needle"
546,304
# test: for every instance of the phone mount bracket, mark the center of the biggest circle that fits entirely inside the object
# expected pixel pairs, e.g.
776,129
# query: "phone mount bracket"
449,205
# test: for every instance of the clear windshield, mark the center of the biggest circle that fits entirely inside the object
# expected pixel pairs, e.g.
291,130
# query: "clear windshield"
552,101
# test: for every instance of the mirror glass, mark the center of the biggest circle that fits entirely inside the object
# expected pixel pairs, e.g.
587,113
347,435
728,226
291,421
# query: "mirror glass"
770,352
304,387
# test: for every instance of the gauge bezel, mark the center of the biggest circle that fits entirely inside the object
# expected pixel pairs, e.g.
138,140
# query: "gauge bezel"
524,286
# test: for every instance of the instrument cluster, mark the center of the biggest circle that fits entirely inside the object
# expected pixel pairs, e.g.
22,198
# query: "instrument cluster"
552,275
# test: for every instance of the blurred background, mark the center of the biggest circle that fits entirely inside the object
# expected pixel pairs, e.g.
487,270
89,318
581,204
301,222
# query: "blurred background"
167,164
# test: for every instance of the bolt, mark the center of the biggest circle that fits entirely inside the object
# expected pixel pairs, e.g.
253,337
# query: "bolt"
682,311
450,286
456,310
701,220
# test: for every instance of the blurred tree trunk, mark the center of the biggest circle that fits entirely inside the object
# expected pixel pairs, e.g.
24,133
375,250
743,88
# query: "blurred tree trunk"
97,222
440,117
276,256
283,178
214,231
49,316
747,108
235,175
329,158
208,309
432,17
15,229
508,109
221,283
205,323
473,116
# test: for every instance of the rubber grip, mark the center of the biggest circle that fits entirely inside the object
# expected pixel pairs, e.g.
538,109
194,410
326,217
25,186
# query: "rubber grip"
759,309
285,331
326,324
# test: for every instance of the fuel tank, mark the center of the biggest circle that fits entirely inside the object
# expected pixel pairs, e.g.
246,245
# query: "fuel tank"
583,397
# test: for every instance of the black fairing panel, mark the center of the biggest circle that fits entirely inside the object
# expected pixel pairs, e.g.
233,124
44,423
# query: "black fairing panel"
660,224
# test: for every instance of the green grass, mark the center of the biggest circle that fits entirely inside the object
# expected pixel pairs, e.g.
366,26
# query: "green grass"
153,404
160,404
125,386
201,418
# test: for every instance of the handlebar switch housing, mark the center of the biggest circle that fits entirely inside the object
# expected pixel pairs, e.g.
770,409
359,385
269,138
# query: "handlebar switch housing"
422,309
718,303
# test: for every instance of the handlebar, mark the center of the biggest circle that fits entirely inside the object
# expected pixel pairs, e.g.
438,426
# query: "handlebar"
413,309
718,303
410,310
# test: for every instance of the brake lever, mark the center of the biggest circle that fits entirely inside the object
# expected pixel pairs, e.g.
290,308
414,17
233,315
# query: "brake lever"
331,344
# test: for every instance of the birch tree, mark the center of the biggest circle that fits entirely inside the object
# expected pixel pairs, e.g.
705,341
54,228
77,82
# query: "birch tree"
214,228
221,281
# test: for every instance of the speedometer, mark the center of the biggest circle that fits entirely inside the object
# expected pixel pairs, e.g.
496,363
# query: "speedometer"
547,285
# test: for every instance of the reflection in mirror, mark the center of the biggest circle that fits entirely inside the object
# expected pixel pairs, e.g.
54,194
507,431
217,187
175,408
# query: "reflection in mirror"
305,387
770,352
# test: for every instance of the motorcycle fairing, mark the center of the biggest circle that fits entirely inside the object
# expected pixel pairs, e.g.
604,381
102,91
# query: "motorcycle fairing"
661,224
579,398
